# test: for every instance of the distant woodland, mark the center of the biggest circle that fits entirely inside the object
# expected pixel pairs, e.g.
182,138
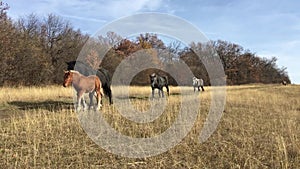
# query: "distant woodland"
33,51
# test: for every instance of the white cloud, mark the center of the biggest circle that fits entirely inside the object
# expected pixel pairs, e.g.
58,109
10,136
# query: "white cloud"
90,9
89,15
107,9
83,18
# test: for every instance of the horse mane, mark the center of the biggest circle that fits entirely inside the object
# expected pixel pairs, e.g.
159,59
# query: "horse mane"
74,71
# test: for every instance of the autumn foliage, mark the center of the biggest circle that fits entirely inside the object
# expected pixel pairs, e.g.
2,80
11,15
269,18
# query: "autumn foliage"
33,51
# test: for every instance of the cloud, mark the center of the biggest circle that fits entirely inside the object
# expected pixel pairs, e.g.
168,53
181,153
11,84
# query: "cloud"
88,15
122,7
93,10
21,8
107,10
83,18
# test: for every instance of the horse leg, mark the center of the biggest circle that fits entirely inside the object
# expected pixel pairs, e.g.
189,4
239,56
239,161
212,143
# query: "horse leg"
168,90
91,95
202,88
159,92
99,98
162,92
78,103
83,102
152,92
108,92
198,88
79,100
109,96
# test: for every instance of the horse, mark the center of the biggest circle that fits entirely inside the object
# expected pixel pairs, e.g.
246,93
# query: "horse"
102,73
158,82
197,83
84,84
284,82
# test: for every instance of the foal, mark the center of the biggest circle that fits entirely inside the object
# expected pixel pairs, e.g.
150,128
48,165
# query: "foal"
84,84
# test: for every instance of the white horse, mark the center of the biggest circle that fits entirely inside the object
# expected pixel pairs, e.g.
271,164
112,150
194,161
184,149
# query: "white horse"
197,83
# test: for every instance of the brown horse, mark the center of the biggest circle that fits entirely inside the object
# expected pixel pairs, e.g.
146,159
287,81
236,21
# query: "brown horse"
84,84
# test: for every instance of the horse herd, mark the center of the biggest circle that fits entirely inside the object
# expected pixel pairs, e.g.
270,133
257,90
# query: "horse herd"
97,83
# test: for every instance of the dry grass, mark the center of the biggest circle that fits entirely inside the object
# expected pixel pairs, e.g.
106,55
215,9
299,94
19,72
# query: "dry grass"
259,129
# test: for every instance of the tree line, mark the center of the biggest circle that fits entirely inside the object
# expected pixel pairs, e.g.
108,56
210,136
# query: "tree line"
33,51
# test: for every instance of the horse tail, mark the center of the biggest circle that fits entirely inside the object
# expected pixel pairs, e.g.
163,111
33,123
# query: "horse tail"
106,86
98,83
167,84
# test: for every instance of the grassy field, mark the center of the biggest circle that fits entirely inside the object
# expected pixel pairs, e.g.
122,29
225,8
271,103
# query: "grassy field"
260,128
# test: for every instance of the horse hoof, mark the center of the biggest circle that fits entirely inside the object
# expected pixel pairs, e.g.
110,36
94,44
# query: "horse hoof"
99,107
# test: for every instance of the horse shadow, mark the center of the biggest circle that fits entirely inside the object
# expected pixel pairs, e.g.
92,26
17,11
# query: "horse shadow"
132,97
142,97
49,105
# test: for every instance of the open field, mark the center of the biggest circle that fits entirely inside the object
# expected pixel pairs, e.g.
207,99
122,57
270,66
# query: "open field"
259,129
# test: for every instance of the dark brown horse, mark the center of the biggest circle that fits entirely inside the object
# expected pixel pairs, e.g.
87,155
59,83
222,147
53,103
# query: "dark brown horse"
84,84
158,82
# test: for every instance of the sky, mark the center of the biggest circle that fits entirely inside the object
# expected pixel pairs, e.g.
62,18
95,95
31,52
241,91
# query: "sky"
268,28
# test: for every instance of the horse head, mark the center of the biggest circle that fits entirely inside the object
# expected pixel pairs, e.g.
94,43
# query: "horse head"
153,79
68,77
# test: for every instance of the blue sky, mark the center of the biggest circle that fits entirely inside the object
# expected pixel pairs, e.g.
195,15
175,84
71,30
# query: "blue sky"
265,27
